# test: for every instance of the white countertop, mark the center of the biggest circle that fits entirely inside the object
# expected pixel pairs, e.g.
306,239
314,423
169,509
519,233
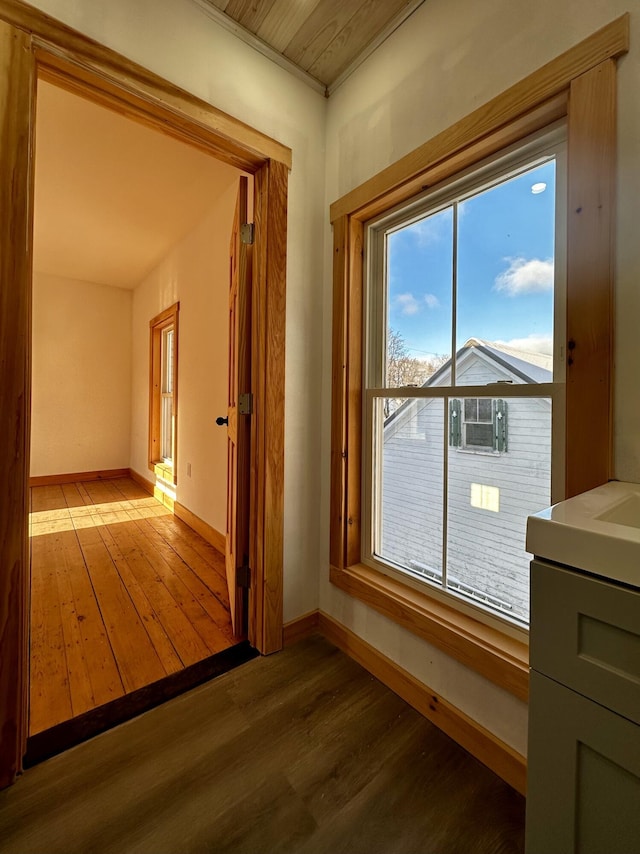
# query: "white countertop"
598,531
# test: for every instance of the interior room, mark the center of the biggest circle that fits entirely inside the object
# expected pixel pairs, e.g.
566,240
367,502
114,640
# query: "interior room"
361,126
127,223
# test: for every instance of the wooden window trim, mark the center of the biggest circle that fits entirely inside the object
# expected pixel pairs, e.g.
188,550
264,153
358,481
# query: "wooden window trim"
157,325
579,86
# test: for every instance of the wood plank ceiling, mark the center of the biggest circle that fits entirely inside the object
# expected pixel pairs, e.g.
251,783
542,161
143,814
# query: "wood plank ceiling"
324,38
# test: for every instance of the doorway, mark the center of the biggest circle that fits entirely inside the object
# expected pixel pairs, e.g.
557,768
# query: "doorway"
41,48
128,603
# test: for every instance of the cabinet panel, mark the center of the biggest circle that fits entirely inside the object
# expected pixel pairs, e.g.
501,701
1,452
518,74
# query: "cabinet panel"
584,775
586,634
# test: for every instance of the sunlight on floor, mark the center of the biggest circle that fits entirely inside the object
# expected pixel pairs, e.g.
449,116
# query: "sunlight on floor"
94,515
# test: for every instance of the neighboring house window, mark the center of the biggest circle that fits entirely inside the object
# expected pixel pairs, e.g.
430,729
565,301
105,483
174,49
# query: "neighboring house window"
478,424
163,393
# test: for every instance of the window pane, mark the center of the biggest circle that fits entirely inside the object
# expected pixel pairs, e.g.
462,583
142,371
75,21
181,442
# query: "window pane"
167,428
167,361
408,486
418,299
485,409
506,242
489,499
479,435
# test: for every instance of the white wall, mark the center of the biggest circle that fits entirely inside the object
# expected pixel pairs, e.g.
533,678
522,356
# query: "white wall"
448,59
81,376
195,272
177,40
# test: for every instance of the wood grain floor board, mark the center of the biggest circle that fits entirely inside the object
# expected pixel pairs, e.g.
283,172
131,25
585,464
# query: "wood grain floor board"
186,639
285,773
50,698
204,560
145,604
91,667
47,498
138,661
110,588
202,592
202,609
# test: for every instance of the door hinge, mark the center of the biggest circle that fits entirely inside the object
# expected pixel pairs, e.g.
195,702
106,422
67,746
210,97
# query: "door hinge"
245,403
247,232
243,576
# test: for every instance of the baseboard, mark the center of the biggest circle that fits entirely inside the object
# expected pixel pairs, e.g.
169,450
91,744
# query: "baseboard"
206,531
300,628
76,477
495,754
142,481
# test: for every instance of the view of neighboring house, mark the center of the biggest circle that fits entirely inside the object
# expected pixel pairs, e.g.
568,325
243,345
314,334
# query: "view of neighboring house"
498,471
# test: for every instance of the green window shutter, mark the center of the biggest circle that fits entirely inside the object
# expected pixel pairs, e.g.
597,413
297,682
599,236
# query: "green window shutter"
455,423
500,425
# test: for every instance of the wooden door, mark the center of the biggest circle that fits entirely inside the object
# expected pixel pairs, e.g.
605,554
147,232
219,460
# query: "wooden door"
239,425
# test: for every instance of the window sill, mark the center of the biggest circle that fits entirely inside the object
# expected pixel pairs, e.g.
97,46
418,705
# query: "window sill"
495,655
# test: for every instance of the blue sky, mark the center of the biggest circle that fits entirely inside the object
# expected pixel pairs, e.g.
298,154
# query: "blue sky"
505,270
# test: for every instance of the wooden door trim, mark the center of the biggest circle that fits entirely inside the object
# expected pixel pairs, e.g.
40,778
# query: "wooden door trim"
81,64
17,90
267,435
34,46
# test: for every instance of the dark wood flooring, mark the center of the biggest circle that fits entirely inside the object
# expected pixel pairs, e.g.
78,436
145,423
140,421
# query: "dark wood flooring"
302,751
123,595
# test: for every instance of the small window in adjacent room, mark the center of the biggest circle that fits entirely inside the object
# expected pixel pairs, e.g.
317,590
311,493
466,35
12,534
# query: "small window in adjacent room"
163,376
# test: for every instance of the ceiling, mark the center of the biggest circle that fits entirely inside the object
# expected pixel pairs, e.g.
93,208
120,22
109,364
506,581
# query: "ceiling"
113,196
326,39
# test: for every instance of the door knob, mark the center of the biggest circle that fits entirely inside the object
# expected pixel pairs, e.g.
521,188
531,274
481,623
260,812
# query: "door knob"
220,420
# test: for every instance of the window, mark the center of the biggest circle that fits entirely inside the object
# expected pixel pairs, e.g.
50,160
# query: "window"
167,420
163,388
580,87
462,284
478,424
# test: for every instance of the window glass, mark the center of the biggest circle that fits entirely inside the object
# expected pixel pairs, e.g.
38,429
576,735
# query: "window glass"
419,299
452,477
505,269
410,486
489,497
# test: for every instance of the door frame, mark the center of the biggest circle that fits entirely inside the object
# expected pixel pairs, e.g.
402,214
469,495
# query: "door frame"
34,46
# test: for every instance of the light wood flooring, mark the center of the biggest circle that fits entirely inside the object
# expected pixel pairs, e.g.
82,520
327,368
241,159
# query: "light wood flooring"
123,594
301,752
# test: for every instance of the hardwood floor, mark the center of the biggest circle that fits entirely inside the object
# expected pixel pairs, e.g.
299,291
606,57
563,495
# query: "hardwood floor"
123,594
302,751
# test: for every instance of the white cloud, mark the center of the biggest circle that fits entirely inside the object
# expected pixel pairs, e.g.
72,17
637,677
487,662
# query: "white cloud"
407,304
534,343
432,301
525,277
431,229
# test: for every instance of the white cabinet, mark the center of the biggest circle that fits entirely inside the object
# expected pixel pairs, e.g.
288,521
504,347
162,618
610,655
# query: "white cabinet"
584,714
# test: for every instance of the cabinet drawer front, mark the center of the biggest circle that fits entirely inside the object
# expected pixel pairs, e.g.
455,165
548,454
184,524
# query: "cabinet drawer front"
585,633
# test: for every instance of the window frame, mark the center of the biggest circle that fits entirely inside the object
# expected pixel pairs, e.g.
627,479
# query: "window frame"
158,326
578,86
